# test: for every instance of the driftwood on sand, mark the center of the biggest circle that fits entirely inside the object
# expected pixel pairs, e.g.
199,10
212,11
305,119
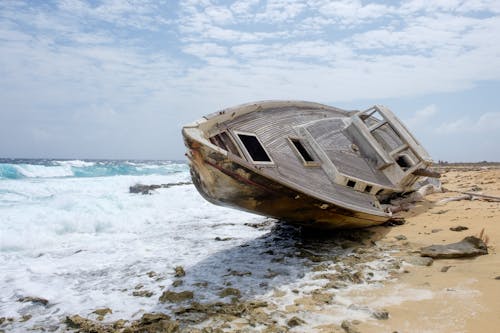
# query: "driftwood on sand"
469,196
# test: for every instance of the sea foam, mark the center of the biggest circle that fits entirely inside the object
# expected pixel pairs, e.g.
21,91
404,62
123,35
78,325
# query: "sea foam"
81,241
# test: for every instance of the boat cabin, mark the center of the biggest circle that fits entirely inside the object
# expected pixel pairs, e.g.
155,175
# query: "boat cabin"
370,151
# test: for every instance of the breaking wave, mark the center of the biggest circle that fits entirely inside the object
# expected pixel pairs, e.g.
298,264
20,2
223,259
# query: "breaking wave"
19,169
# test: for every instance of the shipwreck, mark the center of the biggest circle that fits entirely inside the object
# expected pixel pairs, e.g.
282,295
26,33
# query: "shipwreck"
305,162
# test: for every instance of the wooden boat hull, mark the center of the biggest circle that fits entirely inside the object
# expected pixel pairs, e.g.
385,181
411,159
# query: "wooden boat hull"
225,182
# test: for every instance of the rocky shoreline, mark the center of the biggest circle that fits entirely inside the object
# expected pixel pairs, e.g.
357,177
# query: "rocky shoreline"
331,262
335,262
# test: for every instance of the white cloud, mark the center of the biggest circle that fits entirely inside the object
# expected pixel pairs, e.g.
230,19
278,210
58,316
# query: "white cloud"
351,12
280,11
422,116
219,15
205,50
480,5
242,8
487,122
202,22
318,51
140,14
460,6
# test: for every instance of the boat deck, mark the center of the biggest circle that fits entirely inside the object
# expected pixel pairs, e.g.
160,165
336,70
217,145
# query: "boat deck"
289,169
332,137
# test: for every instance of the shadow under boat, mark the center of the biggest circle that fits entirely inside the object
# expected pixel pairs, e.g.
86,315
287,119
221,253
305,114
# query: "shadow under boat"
278,259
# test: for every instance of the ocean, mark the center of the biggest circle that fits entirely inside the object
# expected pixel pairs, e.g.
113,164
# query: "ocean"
72,234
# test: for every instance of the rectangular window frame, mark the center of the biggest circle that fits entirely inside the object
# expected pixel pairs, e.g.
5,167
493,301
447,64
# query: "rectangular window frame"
308,149
218,140
245,152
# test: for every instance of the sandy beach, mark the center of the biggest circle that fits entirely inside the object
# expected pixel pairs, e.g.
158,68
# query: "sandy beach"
458,295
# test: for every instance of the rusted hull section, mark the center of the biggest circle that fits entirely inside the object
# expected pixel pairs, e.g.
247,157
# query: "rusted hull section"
225,182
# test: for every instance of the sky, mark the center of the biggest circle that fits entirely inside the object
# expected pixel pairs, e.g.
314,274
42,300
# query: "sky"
118,79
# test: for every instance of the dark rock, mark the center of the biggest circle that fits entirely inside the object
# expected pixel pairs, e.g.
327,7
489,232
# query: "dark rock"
102,312
25,317
150,318
85,325
223,239
197,312
260,226
322,297
179,271
230,292
400,237
320,267
155,322
469,247
459,228
237,273
273,328
436,230
497,278
120,323
173,297
295,321
142,189
177,283
271,274
152,274
348,327
445,269
394,222
146,189
36,300
380,315
142,293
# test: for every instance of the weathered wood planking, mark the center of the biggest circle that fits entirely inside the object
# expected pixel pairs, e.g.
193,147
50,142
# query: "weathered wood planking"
287,165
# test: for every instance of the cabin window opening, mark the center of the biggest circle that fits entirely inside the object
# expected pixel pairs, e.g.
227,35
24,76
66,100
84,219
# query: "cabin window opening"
216,140
302,150
351,183
224,141
404,162
368,188
380,191
254,148
231,146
